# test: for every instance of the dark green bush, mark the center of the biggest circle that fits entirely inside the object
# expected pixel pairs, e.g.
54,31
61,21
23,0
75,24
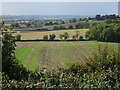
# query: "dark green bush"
18,37
45,37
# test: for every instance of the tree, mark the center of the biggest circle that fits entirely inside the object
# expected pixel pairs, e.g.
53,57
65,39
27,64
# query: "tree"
98,17
70,27
104,32
61,27
18,37
73,37
62,22
55,23
81,38
52,37
28,25
45,37
73,20
10,65
77,34
61,36
77,26
55,28
108,21
65,35
15,25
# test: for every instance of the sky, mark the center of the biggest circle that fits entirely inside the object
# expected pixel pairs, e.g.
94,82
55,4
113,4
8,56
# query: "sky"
59,0
59,8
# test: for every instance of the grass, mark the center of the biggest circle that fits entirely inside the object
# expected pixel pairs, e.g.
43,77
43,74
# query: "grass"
51,55
22,53
33,58
39,34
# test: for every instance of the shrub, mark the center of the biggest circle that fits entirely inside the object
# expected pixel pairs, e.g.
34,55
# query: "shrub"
45,37
52,37
18,37
65,35
55,28
81,38
73,37
70,27
61,36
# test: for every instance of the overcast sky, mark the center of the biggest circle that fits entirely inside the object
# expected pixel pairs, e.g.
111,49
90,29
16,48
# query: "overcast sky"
59,8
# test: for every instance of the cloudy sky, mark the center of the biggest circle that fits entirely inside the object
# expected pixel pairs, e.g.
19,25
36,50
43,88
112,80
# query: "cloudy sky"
58,8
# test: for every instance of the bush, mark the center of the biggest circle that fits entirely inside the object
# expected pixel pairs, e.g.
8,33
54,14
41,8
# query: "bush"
70,27
55,28
103,60
61,27
81,38
52,37
45,37
18,37
104,32
73,37
65,35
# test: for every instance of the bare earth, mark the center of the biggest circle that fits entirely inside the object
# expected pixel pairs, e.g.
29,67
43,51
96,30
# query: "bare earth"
27,44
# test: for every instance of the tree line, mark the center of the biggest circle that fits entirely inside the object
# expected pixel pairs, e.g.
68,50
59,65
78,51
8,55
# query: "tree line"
64,36
104,32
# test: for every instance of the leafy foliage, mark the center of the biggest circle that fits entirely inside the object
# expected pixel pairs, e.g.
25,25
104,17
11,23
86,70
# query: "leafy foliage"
105,32
52,37
45,37
102,70
10,65
18,37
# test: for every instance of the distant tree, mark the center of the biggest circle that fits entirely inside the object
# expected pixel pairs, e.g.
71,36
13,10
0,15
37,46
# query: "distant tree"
73,37
108,21
70,21
62,22
52,37
73,20
81,38
104,32
70,27
77,34
65,35
98,17
77,26
61,27
55,23
45,37
18,37
15,25
89,18
28,25
55,28
50,23
80,19
61,36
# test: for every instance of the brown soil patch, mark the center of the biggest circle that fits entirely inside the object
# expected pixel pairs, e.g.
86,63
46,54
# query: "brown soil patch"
29,44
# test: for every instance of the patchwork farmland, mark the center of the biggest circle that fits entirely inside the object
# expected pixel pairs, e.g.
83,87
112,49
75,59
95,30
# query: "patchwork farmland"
50,55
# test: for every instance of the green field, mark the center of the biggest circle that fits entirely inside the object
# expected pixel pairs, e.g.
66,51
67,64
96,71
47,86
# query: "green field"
50,55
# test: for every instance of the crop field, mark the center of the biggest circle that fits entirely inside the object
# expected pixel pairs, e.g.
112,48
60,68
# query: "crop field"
50,55
30,35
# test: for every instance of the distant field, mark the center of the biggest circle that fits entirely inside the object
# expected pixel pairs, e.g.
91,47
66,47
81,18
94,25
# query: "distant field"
50,55
39,34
